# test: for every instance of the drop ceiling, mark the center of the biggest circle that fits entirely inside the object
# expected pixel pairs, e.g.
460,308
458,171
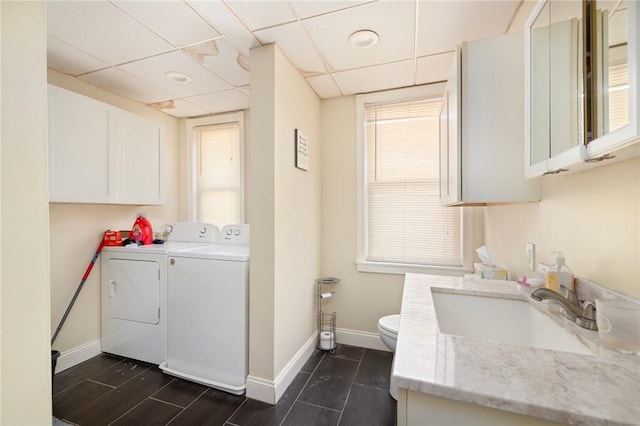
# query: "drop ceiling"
128,47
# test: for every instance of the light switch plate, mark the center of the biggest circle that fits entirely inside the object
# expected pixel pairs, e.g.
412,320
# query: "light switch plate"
531,256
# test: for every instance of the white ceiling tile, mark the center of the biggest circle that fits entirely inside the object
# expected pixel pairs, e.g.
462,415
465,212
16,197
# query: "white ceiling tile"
393,22
324,86
126,85
308,8
379,77
184,109
433,68
219,15
173,20
224,63
442,25
69,60
228,100
296,45
102,30
262,14
127,46
153,70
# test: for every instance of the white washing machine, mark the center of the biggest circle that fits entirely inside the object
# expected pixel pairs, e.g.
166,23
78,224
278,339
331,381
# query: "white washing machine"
134,292
208,302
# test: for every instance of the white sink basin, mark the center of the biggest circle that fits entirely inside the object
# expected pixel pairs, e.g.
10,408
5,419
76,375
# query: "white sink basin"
510,321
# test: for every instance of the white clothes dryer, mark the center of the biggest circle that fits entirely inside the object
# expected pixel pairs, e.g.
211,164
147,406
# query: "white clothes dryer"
134,292
208,302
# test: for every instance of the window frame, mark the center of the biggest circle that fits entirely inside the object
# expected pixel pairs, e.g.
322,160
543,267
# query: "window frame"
362,264
191,125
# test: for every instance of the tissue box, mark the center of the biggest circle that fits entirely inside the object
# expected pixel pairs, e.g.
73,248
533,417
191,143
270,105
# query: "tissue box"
490,272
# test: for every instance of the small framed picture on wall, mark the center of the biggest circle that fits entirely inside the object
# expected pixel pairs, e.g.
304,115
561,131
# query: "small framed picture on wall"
302,150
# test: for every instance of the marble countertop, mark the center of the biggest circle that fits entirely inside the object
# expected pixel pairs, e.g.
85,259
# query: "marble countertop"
559,386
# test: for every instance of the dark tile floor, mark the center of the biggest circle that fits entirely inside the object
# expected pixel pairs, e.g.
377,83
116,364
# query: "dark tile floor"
347,387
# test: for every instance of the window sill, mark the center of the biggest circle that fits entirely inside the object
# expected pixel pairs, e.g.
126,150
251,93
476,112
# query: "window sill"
402,268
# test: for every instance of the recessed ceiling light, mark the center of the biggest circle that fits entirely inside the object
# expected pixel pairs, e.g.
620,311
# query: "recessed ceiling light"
363,39
178,77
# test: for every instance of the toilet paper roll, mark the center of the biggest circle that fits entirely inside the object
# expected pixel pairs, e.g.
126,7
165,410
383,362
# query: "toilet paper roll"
327,341
326,295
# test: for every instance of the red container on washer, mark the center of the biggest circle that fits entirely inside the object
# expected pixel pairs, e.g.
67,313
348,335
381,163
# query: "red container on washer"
112,238
142,232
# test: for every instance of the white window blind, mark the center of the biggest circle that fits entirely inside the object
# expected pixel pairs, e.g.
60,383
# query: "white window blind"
218,188
618,96
405,222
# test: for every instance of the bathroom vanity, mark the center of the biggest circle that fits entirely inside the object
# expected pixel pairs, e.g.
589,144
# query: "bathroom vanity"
457,379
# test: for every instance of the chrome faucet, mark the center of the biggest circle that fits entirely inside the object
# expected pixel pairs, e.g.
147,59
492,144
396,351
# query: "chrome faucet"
581,312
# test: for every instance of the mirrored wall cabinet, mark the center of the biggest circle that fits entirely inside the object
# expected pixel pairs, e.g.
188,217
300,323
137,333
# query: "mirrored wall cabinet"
581,76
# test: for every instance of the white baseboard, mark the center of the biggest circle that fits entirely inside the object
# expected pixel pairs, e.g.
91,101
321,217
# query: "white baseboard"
75,356
362,339
270,391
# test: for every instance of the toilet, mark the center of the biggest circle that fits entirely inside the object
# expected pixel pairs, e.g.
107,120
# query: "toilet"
388,330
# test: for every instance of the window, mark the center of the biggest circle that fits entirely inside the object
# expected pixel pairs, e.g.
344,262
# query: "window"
216,169
402,226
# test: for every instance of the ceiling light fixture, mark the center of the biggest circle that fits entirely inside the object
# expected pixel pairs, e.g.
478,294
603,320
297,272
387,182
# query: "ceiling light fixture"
363,39
163,105
178,77
243,61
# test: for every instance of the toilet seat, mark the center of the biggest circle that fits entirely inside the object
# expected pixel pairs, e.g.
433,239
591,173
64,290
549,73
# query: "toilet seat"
389,325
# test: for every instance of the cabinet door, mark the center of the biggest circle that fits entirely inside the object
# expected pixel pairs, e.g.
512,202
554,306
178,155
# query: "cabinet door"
140,165
79,148
565,76
450,149
594,100
537,116
444,150
617,41
554,79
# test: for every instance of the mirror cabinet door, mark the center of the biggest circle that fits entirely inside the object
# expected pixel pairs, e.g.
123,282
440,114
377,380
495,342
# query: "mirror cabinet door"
566,75
539,132
611,32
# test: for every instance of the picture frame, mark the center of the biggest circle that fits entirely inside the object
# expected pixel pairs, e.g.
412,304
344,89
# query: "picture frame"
302,150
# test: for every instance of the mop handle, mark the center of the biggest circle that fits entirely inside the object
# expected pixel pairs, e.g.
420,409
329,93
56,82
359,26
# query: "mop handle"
75,296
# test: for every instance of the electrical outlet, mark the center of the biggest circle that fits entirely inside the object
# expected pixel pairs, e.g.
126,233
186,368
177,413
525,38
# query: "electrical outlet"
531,256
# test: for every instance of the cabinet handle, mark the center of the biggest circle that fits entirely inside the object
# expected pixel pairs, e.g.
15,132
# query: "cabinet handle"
554,172
601,158
172,261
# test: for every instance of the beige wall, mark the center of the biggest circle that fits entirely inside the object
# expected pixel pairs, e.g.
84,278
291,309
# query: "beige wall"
297,211
76,229
360,298
284,211
260,211
25,385
593,216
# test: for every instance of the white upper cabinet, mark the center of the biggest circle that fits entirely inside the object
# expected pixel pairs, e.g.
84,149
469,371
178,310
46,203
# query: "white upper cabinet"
101,154
481,126
79,148
140,160
581,100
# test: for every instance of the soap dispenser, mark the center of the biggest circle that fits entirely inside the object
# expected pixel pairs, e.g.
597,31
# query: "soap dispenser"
559,275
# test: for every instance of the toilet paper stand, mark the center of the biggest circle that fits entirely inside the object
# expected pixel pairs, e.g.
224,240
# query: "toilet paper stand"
326,322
